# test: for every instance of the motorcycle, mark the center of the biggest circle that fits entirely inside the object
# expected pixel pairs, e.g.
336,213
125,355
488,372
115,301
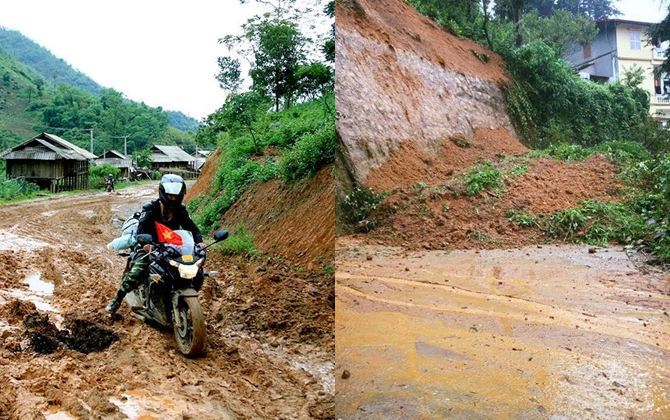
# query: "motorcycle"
169,297
109,186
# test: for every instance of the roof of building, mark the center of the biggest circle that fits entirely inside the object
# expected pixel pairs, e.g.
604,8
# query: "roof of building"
112,154
623,21
169,154
47,146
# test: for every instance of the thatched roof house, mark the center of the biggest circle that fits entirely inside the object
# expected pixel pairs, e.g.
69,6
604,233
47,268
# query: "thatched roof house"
50,162
172,159
118,160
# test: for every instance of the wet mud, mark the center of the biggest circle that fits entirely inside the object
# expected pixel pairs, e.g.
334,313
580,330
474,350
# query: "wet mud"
542,332
269,347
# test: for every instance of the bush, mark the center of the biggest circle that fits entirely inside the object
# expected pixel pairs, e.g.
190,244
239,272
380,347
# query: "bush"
358,205
549,103
240,242
483,177
309,154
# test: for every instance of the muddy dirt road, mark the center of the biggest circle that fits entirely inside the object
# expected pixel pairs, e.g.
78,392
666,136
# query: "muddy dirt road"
543,332
63,357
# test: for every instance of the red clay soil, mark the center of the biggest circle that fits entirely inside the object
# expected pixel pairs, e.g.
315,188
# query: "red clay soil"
396,24
409,165
441,216
294,221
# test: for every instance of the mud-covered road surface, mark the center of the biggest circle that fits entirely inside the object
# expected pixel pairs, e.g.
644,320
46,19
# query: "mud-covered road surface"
269,351
542,332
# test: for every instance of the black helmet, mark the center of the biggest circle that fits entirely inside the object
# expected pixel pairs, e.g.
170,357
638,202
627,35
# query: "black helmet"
173,185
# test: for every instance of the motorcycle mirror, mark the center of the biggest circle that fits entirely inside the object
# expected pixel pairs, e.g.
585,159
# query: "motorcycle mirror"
221,235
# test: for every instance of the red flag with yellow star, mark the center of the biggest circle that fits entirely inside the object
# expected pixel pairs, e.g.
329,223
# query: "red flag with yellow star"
167,235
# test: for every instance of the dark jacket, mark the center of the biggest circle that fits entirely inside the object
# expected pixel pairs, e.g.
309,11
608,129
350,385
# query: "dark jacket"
180,220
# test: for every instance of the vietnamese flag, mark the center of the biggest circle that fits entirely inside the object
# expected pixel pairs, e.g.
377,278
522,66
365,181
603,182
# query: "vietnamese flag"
167,235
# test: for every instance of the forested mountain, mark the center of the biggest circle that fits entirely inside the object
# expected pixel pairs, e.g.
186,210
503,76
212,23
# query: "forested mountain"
53,71
40,92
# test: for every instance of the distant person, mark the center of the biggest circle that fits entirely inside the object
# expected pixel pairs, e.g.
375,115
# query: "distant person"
109,183
167,210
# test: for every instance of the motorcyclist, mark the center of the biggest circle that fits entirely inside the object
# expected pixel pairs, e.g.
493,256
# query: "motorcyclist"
110,181
169,211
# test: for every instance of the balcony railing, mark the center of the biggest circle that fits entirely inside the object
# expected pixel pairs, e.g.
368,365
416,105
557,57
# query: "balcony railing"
663,99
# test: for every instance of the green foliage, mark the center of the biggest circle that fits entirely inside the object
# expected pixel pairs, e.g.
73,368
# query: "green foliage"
563,31
301,141
98,174
483,177
240,112
523,220
240,243
605,112
565,223
461,17
310,153
142,158
360,203
17,189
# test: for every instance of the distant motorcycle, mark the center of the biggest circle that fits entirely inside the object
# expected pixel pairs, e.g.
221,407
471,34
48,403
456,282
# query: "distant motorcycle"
169,297
109,185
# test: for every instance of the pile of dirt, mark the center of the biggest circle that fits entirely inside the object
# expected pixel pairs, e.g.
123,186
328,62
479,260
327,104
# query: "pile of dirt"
410,165
443,216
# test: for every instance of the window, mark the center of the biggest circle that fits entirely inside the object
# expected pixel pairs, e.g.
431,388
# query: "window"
635,43
587,50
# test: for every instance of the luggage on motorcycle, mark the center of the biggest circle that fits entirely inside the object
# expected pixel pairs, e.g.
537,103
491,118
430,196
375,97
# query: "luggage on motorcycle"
128,237
122,242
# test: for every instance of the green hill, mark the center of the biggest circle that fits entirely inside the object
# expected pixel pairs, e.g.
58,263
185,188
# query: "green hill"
29,76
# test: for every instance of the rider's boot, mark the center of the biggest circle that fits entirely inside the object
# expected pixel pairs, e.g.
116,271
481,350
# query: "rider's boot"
116,302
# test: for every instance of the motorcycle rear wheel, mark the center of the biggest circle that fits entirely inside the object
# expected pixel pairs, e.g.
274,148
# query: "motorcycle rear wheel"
191,336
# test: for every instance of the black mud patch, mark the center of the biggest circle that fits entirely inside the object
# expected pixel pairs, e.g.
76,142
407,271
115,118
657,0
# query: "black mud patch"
80,335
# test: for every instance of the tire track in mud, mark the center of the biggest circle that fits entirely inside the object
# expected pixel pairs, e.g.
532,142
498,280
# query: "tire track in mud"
500,334
460,300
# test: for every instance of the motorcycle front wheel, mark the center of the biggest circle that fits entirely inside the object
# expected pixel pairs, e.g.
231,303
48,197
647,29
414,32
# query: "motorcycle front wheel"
191,335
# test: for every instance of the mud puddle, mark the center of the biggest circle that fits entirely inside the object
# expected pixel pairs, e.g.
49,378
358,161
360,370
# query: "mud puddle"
541,332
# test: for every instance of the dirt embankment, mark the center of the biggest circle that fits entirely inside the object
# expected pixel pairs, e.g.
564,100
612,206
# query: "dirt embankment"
292,222
401,79
430,111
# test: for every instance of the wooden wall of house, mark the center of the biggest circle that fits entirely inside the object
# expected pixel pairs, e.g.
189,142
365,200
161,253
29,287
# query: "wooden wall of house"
37,169
56,175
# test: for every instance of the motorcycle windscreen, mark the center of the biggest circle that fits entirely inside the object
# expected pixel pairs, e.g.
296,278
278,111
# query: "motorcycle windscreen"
188,248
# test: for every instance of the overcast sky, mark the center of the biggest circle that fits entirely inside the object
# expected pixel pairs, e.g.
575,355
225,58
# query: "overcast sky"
161,52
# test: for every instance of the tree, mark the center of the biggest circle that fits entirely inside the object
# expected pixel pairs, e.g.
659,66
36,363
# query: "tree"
230,75
316,80
593,9
659,33
328,47
240,112
564,32
280,51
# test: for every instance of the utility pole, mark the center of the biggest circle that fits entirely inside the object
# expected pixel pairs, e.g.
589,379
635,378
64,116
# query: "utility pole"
91,130
125,145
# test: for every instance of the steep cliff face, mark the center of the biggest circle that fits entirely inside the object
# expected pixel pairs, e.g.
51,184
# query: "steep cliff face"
405,84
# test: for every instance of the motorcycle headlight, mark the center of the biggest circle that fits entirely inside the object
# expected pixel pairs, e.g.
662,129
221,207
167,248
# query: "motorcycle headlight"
187,271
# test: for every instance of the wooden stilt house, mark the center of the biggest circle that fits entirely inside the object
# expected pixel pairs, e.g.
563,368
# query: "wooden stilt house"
51,162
